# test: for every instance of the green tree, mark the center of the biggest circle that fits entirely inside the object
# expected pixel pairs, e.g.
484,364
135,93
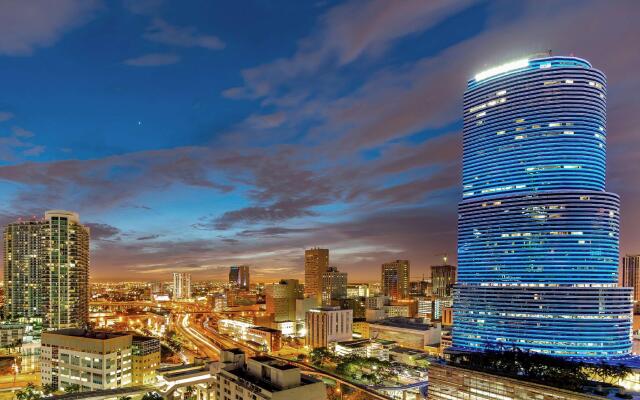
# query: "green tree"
151,396
28,393
189,392
49,388
72,388
320,356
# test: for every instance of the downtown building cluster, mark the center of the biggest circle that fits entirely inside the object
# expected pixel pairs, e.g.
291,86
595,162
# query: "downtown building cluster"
537,274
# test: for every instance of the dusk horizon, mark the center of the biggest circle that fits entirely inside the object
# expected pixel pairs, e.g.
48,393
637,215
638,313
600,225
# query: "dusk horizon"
193,138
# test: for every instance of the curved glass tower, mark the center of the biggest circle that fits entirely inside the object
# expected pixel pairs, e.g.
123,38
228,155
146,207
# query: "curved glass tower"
537,233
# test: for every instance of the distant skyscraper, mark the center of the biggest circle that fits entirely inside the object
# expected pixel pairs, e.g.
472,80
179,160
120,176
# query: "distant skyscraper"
419,288
181,285
334,285
443,277
46,270
395,279
316,263
239,275
630,276
537,233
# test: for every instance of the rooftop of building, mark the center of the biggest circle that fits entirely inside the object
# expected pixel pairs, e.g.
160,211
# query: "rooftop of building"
327,308
140,338
175,372
265,329
244,375
84,333
363,342
551,371
408,351
274,363
404,322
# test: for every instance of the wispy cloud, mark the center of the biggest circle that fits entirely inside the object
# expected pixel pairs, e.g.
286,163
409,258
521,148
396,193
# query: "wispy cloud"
28,25
153,60
346,33
161,31
6,116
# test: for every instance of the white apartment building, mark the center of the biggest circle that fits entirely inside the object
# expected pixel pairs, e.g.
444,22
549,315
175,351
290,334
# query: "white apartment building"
328,324
91,360
181,285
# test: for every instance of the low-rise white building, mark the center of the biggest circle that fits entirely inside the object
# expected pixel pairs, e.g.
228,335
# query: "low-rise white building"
366,348
328,324
407,332
265,378
91,360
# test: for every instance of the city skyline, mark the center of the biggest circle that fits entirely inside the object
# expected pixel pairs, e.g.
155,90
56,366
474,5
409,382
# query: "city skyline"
207,152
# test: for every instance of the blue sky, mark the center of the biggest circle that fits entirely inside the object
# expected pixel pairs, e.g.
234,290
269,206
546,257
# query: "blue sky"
196,135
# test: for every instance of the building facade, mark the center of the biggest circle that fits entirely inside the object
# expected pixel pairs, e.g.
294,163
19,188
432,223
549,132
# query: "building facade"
239,276
395,279
266,378
357,290
537,234
46,270
181,285
328,324
630,275
91,360
334,285
316,263
443,277
281,299
406,332
145,360
447,382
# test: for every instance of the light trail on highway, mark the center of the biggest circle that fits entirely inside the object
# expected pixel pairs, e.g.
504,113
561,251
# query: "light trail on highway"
197,336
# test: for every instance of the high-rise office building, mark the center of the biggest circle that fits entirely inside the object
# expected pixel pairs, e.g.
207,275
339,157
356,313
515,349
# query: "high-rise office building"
46,270
395,279
443,277
239,276
281,299
630,275
334,285
537,233
316,263
181,285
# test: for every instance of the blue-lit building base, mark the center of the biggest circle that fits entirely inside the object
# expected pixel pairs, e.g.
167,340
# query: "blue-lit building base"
565,321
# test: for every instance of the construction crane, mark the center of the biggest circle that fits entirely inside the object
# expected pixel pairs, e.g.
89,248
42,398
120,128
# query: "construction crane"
444,256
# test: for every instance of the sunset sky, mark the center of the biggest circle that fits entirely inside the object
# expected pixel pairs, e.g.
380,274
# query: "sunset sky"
194,135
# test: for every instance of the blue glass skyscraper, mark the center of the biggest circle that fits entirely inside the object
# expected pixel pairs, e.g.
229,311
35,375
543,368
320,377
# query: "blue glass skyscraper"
537,232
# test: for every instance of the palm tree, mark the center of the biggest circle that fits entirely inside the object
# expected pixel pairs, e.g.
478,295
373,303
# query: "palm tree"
151,396
72,388
49,388
28,393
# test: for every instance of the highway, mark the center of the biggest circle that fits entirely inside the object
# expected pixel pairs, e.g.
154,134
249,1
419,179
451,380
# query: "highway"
183,326
226,342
